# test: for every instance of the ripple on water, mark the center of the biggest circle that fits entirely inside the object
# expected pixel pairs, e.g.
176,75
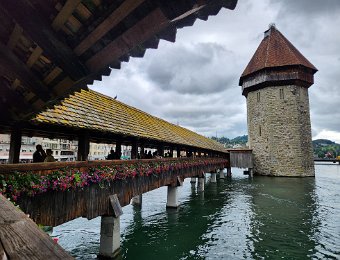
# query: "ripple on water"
241,218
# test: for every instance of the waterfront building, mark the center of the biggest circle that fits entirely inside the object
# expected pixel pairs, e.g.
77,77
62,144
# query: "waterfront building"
275,83
62,150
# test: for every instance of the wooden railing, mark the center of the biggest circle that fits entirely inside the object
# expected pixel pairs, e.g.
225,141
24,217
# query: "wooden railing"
59,204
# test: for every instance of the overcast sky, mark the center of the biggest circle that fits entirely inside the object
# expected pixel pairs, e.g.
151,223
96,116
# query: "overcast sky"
194,81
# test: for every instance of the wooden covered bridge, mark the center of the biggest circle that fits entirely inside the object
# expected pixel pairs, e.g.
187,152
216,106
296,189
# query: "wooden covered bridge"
54,193
53,48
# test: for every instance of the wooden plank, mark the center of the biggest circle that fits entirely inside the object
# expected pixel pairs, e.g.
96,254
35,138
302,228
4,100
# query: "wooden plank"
142,31
34,56
3,255
65,13
40,31
110,22
15,36
83,12
63,86
73,24
21,238
15,83
52,75
116,207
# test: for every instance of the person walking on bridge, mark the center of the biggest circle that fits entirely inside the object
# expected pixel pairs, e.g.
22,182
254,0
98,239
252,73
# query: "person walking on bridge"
39,155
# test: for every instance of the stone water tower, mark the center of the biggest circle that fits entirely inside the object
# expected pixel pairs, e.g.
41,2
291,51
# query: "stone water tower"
276,83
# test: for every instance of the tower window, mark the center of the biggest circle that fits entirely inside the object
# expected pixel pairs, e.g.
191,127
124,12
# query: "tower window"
260,131
258,96
282,95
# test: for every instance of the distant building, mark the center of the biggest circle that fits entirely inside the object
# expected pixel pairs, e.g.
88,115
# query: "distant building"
62,150
275,83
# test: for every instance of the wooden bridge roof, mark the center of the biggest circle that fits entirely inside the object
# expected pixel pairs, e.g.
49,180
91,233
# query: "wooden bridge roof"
93,111
51,48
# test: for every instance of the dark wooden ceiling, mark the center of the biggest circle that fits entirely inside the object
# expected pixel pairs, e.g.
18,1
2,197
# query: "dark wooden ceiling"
52,48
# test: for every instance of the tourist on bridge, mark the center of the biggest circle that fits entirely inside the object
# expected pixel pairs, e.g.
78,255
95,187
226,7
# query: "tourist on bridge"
39,155
112,155
49,156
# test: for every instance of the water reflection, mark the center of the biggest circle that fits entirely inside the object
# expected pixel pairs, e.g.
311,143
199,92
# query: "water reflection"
176,233
283,221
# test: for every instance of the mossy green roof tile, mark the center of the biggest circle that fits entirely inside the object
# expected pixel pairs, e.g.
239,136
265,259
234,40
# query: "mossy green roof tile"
92,110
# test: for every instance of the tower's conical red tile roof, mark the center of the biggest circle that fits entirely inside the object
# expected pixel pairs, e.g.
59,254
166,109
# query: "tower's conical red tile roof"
275,51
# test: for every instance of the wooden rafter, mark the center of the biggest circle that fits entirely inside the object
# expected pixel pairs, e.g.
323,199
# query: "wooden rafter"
139,33
111,21
11,98
41,32
65,13
15,36
34,56
14,68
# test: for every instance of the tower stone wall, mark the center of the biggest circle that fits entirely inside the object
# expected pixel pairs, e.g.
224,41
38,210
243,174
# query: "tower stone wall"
279,131
275,83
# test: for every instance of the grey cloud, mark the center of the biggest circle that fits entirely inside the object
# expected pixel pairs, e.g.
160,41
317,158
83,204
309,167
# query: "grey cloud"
308,7
195,69
195,81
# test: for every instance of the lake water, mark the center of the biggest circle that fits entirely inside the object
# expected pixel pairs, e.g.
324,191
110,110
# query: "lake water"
238,218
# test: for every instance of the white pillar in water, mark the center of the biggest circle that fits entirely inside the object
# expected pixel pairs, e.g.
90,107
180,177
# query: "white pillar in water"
193,180
221,174
172,199
229,172
109,236
213,177
137,200
251,172
200,184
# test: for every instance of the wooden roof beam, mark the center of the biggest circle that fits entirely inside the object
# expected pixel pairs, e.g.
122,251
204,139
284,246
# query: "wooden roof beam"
13,67
110,22
41,32
11,99
65,13
142,31
14,37
34,56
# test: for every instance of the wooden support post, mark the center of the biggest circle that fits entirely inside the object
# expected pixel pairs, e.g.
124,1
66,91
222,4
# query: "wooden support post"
142,156
119,149
178,152
134,150
15,145
83,146
171,152
160,150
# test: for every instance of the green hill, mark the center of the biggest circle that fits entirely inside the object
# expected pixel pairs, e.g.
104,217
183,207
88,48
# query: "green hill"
229,143
326,148
322,147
